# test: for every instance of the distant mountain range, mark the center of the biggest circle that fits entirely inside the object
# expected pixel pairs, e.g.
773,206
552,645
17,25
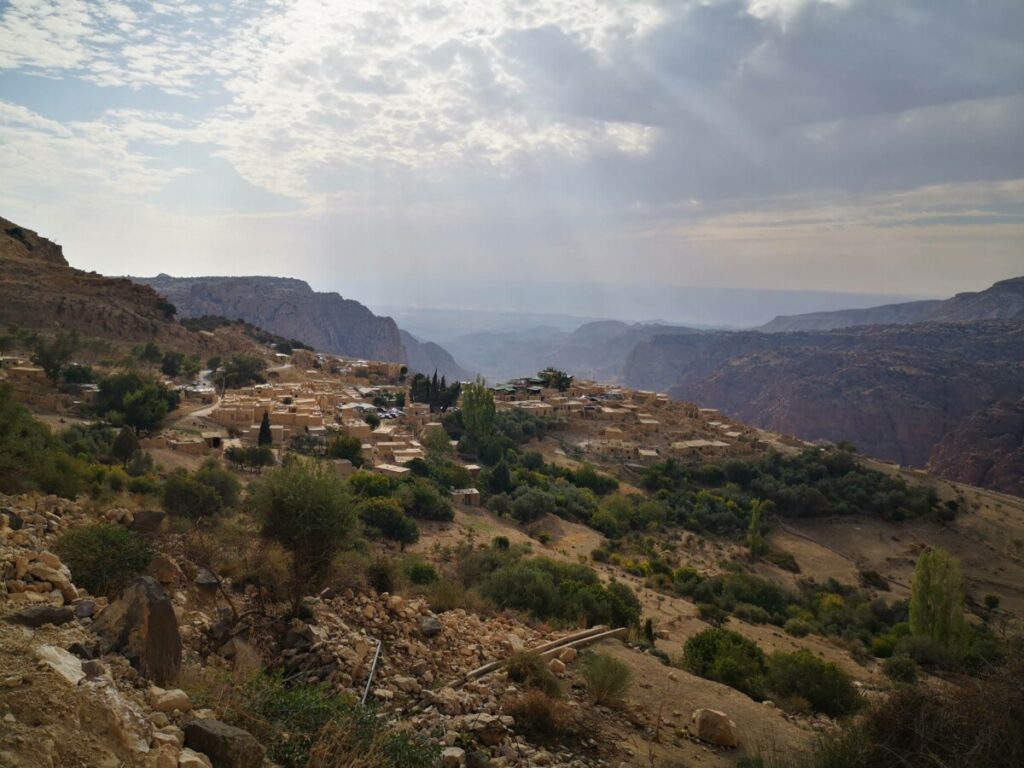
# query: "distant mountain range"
291,308
1003,301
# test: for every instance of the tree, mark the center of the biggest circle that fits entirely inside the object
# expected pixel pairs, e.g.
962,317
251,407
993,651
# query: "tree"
937,602
171,364
265,437
242,370
372,419
555,379
150,353
141,403
754,538
306,508
185,496
437,445
478,411
500,479
125,445
347,447
54,354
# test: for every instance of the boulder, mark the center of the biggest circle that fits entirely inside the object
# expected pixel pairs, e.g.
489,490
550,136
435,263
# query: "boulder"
453,757
557,666
225,745
165,569
189,758
141,624
38,615
84,608
168,701
488,729
430,626
147,521
60,661
568,655
715,727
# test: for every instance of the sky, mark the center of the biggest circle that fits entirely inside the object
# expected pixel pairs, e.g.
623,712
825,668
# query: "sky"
405,151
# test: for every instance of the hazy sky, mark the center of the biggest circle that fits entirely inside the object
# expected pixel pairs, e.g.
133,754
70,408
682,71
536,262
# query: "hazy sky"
372,146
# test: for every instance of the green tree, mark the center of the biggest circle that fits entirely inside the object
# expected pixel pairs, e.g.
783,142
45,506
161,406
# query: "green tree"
347,447
125,445
500,479
265,437
139,402
555,379
241,370
307,509
150,353
52,355
755,540
171,364
937,602
478,411
103,557
185,496
437,445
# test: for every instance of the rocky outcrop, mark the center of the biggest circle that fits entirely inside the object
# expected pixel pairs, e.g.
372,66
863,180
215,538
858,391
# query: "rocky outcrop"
986,449
289,308
1003,301
225,745
894,391
141,624
426,357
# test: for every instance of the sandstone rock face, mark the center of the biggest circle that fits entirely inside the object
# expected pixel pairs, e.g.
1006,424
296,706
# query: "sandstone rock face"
289,308
986,449
893,391
715,727
142,625
225,745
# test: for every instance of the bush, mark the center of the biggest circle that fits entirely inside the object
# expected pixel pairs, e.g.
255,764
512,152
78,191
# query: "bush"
532,672
900,669
824,686
422,500
797,628
104,557
386,515
712,614
420,573
143,486
726,657
540,717
213,475
185,496
381,575
607,678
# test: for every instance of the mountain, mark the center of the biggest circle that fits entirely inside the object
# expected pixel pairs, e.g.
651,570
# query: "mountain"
894,391
596,350
427,357
287,307
40,290
986,449
1003,301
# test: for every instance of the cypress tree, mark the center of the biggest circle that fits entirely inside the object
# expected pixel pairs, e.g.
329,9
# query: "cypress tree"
265,437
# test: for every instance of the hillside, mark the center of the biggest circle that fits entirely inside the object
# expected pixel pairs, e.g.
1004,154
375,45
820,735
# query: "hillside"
287,307
1003,301
894,391
986,449
39,290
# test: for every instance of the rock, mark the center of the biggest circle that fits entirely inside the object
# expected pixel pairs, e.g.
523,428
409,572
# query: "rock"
12,681
477,760
147,521
430,626
452,757
168,701
556,666
14,521
568,655
141,624
406,684
715,727
225,745
49,559
94,669
205,579
165,569
84,608
162,756
63,663
189,758
395,603
488,729
85,651
38,615
169,734
384,694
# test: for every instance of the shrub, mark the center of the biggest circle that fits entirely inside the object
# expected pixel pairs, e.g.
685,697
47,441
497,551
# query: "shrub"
386,515
421,573
900,669
727,657
753,614
143,486
213,475
540,717
822,684
712,614
184,496
607,678
381,575
104,557
532,672
422,500
797,628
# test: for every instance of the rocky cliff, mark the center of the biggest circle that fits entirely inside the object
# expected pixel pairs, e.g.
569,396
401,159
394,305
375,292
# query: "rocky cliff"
289,308
38,289
894,391
986,449
1003,301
